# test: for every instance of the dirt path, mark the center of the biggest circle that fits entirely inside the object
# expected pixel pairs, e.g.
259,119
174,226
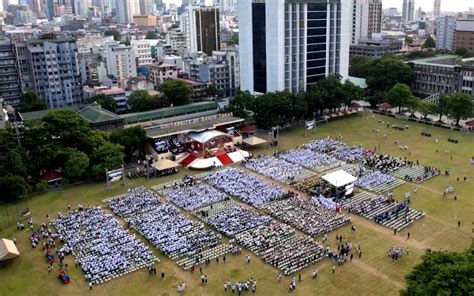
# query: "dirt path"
378,274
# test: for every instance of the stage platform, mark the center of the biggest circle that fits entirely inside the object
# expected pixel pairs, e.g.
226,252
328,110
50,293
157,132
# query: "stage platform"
220,160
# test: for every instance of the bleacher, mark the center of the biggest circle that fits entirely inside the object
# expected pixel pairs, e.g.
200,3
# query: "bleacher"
414,173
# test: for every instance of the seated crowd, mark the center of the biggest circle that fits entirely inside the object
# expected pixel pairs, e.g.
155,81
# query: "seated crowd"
325,145
169,144
193,195
275,168
385,163
249,188
266,236
101,247
308,158
137,200
352,154
373,179
304,215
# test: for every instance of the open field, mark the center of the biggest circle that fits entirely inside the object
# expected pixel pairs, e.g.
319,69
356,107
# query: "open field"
373,274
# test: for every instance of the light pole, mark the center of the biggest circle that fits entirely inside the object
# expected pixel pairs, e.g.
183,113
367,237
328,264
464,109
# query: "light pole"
11,110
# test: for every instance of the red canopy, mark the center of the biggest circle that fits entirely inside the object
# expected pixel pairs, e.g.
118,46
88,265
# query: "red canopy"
249,129
51,176
385,106
470,123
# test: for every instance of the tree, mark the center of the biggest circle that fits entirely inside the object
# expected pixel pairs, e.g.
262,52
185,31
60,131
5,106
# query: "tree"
113,32
151,35
352,92
13,187
460,107
31,102
177,92
140,100
409,39
429,43
443,106
126,42
399,96
425,108
132,139
76,165
212,90
104,101
463,52
241,104
107,157
388,71
360,66
234,40
442,273
331,91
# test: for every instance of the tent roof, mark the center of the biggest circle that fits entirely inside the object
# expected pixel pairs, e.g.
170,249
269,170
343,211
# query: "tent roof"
164,164
469,123
249,129
51,176
253,141
339,178
206,136
8,249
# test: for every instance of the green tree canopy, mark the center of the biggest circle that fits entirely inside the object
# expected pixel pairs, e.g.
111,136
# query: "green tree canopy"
132,139
352,92
76,165
360,66
443,106
140,100
460,107
388,71
409,39
241,104
107,157
429,43
104,101
177,92
113,32
31,102
442,273
13,187
425,108
151,35
400,96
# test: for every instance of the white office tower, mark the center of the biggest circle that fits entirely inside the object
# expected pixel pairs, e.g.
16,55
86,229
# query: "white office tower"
445,32
121,62
436,8
408,10
289,45
366,19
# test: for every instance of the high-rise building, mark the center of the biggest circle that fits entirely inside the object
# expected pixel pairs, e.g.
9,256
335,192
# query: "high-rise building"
289,45
10,81
201,25
121,62
366,19
445,31
408,10
436,8
55,71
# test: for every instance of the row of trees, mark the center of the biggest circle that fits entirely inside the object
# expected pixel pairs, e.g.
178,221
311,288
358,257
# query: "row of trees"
63,140
457,106
273,109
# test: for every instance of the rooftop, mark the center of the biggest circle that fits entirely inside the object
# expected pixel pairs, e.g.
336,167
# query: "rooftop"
112,90
94,114
158,132
55,40
37,115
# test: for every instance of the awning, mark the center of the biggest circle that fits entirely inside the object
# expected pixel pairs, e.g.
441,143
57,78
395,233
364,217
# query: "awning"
51,176
249,129
164,164
8,250
254,141
339,178
470,123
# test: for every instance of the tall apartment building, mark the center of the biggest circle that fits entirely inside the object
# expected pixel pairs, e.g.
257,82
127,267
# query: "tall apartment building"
10,81
55,71
464,36
445,32
436,8
366,19
201,25
289,45
178,41
142,50
408,10
121,62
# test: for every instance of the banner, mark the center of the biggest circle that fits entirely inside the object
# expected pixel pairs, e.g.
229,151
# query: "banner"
310,124
115,176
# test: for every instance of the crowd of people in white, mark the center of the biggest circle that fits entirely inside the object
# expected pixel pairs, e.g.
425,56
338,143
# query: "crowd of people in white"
309,158
191,194
101,247
277,169
310,218
249,188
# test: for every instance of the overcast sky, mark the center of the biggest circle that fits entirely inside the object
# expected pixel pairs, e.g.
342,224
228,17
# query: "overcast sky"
426,5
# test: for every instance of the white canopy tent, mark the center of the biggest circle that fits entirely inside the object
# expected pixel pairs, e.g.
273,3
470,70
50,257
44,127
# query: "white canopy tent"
339,178
8,250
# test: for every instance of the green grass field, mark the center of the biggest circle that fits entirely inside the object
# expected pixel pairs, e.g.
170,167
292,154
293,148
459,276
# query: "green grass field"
373,274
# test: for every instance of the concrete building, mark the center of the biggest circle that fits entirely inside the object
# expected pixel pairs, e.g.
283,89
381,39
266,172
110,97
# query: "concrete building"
178,41
436,8
464,37
289,45
445,32
142,50
144,21
161,72
376,48
55,71
119,96
408,11
443,75
10,81
220,70
201,25
121,62
366,19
